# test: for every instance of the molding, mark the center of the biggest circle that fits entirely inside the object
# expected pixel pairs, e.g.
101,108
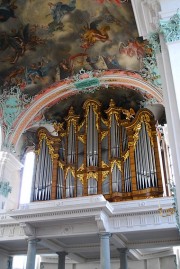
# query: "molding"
102,222
9,161
100,216
117,241
147,16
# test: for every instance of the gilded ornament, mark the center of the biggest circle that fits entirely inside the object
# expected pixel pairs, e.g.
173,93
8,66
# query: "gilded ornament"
103,134
71,170
104,175
115,162
129,113
92,175
81,178
126,155
61,165
81,138
81,168
104,165
58,127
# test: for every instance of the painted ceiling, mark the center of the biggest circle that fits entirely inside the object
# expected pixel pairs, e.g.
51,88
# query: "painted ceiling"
42,42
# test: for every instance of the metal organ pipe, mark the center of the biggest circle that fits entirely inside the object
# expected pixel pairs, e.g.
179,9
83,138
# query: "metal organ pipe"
92,139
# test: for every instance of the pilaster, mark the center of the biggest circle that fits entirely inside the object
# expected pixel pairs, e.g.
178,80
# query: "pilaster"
10,168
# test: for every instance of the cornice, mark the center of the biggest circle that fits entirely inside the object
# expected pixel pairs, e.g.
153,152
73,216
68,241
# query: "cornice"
11,162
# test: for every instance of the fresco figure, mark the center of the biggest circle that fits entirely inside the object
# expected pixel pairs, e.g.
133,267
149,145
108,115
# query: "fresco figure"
19,42
58,11
7,10
91,34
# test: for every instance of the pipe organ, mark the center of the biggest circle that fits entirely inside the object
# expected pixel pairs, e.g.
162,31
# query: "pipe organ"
112,152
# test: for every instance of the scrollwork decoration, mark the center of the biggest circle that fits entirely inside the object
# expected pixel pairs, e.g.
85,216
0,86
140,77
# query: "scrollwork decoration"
12,103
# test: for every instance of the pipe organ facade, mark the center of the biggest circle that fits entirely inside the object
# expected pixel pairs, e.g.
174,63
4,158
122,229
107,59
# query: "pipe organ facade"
112,152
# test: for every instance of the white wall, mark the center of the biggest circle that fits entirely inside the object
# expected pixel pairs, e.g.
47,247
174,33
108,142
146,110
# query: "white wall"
3,261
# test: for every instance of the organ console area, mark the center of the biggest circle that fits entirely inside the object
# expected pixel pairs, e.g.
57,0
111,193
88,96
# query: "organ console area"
112,152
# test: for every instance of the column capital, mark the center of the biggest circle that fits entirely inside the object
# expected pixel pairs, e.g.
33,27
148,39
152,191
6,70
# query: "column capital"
62,253
105,235
33,240
123,250
171,28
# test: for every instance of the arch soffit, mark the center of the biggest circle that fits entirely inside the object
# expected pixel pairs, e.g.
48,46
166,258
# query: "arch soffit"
66,88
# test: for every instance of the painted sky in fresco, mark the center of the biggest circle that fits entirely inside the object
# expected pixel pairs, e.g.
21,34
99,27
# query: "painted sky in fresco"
42,42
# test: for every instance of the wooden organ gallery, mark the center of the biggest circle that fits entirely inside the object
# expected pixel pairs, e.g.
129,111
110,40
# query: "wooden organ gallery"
115,155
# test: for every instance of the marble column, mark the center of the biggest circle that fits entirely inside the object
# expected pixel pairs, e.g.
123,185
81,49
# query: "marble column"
123,258
104,251
31,253
61,259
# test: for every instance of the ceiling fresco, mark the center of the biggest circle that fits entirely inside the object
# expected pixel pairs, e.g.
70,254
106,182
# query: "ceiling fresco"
45,44
42,42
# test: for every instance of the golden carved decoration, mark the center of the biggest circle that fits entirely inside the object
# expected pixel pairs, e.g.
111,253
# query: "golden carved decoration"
49,144
95,105
115,162
70,169
129,113
58,127
72,119
92,175
126,155
104,165
81,178
61,165
81,168
137,129
104,175
103,134
82,138
113,110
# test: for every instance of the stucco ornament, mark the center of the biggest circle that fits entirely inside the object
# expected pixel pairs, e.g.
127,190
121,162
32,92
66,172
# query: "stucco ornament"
5,188
87,80
171,28
154,41
150,70
12,102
